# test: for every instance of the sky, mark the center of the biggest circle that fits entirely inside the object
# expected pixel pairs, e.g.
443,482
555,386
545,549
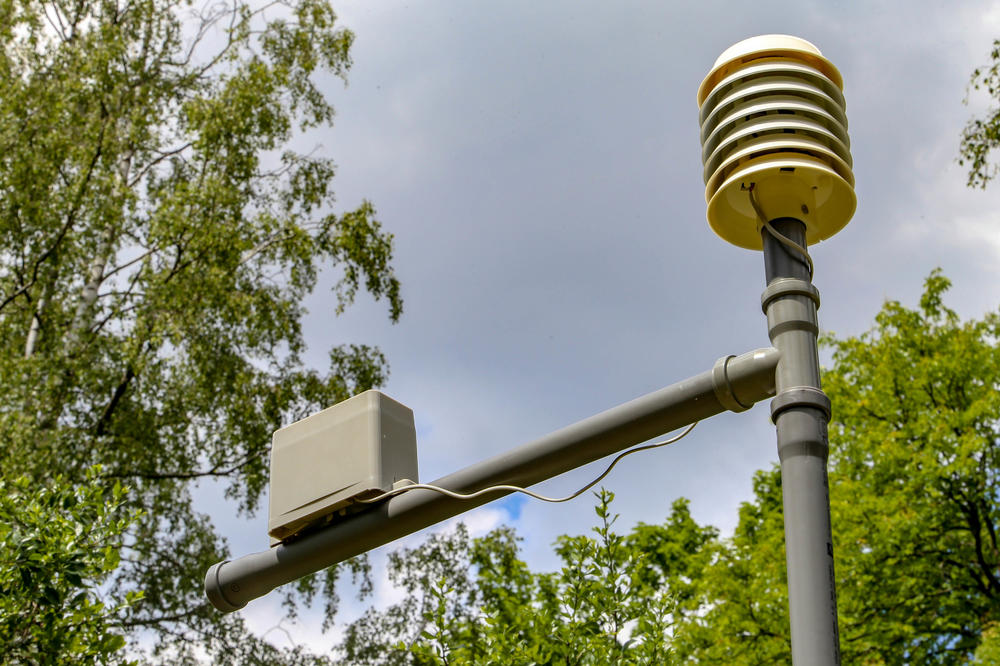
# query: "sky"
539,166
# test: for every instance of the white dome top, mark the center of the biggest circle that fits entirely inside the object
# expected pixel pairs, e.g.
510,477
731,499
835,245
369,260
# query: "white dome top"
767,47
766,43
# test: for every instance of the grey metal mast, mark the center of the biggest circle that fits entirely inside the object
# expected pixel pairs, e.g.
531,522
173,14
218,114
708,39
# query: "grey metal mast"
800,412
778,177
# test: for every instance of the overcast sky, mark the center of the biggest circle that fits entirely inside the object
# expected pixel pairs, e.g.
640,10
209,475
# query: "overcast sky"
539,165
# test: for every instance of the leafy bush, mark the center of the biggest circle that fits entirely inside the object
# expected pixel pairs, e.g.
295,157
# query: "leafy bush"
57,544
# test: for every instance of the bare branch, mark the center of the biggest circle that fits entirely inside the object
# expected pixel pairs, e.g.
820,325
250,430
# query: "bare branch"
148,253
161,156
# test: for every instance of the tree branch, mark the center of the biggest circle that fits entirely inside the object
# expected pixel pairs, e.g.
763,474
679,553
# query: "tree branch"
213,472
102,423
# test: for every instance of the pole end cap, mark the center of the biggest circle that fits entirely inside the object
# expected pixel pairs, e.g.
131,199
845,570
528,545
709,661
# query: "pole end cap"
214,592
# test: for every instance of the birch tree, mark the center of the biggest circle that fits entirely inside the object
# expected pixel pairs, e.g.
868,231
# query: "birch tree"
157,238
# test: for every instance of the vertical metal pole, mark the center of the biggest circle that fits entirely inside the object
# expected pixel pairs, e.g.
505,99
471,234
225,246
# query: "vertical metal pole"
800,412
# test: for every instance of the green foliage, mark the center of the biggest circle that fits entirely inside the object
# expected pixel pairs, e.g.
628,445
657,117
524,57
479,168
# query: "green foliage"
981,136
475,602
914,481
915,503
435,578
988,651
157,239
595,610
58,544
741,594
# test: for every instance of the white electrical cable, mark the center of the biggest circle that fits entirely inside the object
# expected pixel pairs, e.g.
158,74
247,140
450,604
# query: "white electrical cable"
780,237
516,489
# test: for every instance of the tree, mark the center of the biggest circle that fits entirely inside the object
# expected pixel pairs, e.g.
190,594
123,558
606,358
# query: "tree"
475,602
914,465
915,504
157,238
741,595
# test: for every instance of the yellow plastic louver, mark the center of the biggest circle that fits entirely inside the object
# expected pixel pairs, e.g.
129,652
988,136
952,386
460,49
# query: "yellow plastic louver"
773,118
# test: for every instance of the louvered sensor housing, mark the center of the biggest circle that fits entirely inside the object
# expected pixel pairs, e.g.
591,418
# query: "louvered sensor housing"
773,120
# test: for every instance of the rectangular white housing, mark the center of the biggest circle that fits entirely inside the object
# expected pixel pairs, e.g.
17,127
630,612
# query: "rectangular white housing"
358,447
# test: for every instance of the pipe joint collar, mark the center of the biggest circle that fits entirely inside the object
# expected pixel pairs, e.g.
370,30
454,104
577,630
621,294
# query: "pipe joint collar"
800,396
723,388
788,287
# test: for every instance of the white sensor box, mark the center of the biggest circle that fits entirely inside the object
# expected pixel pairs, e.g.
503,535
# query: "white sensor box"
358,448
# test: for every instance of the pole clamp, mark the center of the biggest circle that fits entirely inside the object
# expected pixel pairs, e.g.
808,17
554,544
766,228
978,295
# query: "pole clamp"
800,396
788,287
723,388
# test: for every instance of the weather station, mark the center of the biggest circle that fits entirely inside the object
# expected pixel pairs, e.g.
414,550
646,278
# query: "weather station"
778,176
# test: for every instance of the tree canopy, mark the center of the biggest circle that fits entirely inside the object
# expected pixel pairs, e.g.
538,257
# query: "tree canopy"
157,238
915,506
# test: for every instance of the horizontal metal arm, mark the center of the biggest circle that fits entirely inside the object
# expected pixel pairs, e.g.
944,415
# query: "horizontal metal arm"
734,383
